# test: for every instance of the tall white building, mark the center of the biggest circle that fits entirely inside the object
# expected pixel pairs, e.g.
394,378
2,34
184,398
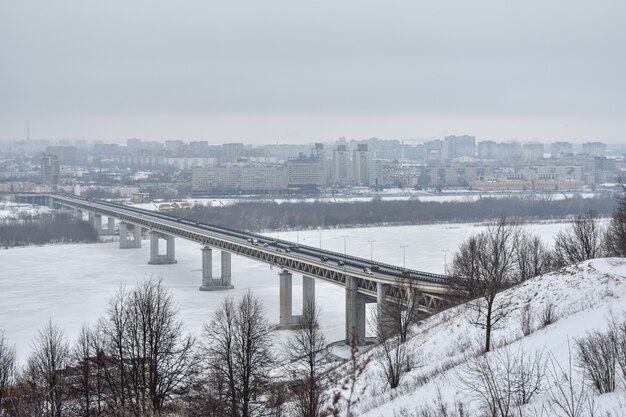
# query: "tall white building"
361,165
341,165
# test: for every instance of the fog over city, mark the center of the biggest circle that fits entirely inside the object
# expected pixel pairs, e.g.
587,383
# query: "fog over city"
296,72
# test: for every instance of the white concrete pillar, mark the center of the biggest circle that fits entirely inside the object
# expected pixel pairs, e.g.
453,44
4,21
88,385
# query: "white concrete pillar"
215,284
385,322
285,288
226,268
170,256
207,266
154,248
123,232
97,223
308,291
137,236
355,312
111,226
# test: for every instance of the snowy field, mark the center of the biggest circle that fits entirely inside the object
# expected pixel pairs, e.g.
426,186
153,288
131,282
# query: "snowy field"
71,283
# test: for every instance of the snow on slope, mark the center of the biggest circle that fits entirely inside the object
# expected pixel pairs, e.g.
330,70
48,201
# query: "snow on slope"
585,296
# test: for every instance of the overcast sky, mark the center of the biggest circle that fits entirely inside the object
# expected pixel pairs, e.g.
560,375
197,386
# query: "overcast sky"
301,71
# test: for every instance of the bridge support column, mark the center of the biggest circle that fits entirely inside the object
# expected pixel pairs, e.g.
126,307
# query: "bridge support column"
96,223
355,312
287,319
110,230
78,214
208,283
286,313
137,235
155,257
125,242
384,321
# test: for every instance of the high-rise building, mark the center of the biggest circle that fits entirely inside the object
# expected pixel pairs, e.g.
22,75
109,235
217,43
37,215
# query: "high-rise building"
560,149
487,149
532,151
320,153
303,173
50,170
361,165
341,165
459,147
597,149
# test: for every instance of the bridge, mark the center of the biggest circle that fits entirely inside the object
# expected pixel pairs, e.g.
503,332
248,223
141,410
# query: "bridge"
364,280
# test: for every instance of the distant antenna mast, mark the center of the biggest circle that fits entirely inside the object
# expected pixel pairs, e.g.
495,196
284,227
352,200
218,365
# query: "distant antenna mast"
28,130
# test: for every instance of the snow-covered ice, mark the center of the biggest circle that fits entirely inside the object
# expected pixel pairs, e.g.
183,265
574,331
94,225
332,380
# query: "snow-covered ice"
71,283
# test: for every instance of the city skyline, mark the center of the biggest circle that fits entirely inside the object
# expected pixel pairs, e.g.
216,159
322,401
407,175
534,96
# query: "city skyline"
301,73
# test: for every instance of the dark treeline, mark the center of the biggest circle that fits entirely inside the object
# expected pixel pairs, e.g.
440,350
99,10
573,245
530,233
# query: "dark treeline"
268,215
44,228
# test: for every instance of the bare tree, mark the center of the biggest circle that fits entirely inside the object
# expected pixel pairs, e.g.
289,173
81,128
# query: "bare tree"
45,370
237,345
533,257
7,371
305,347
146,357
394,356
616,233
395,317
485,265
583,240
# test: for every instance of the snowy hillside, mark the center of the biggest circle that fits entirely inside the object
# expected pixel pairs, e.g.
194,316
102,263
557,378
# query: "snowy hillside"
585,297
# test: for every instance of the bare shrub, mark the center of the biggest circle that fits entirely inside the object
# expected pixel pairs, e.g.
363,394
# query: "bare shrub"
504,381
526,320
597,356
568,398
548,315
345,400
618,328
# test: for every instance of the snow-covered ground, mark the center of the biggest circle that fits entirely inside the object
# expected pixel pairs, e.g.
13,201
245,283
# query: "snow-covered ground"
586,296
71,283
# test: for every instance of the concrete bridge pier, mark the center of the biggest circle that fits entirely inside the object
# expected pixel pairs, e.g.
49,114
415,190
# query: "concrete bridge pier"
384,321
125,241
110,229
208,282
78,214
355,312
287,319
96,222
155,257
137,235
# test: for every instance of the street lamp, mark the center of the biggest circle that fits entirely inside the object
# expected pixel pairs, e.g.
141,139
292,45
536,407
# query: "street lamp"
344,246
404,255
371,250
445,261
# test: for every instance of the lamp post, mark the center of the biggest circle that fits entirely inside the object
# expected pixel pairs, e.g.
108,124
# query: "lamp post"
371,250
344,246
404,256
445,261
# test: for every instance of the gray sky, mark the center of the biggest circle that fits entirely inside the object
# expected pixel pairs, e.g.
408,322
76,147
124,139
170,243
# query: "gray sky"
299,71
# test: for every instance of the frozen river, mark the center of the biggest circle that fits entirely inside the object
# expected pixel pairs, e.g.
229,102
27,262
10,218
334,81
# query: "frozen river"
71,283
